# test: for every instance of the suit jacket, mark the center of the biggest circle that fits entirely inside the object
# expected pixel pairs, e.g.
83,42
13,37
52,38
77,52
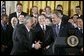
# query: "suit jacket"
6,35
6,38
78,33
15,15
65,31
65,18
45,37
22,43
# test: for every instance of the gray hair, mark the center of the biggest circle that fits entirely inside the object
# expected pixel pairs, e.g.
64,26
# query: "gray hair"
26,18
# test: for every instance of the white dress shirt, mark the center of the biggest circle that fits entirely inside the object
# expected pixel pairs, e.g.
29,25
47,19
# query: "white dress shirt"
80,28
18,14
43,26
59,24
27,28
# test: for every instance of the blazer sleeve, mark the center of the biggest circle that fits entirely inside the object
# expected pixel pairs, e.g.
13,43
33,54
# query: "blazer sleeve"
22,39
49,40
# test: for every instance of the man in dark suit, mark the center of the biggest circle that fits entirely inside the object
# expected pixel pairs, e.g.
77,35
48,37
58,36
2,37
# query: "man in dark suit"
44,35
79,28
6,35
79,34
23,38
65,18
78,11
18,12
34,12
47,11
60,30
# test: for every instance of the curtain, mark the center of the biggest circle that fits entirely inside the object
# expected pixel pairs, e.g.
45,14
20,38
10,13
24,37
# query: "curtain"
68,6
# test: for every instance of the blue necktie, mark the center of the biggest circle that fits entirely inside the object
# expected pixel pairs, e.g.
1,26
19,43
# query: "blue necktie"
57,29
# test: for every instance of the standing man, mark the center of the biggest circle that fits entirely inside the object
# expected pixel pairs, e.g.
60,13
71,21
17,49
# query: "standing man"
23,38
34,11
79,33
59,8
60,30
6,35
79,28
78,11
18,12
43,34
47,11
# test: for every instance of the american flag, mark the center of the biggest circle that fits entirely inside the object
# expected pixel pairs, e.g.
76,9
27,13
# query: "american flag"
3,7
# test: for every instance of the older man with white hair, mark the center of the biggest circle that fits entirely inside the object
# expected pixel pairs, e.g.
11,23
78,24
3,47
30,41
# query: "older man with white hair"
23,38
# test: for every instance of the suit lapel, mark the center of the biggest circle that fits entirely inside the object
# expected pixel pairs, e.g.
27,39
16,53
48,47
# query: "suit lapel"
28,34
47,33
54,31
15,14
61,29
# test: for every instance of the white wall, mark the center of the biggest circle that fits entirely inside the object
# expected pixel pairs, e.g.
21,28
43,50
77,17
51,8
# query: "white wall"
10,7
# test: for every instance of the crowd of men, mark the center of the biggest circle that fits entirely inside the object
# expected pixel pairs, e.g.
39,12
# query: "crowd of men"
35,34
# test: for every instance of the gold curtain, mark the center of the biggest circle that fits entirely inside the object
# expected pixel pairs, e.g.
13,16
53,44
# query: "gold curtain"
67,5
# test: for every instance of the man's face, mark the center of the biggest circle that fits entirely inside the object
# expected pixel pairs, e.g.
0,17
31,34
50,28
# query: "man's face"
77,10
41,20
29,23
75,18
5,19
35,10
55,19
47,10
21,19
19,8
80,23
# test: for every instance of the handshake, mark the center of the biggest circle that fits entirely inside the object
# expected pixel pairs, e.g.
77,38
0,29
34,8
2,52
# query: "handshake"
37,45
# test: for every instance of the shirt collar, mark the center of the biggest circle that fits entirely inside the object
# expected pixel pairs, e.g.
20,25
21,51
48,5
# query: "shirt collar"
18,13
59,24
42,26
27,28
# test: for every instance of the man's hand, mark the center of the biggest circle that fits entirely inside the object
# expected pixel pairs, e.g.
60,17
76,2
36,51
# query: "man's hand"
3,47
37,45
47,47
81,50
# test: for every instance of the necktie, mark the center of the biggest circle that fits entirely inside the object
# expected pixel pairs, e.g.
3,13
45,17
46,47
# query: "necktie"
81,30
57,29
18,15
29,34
43,29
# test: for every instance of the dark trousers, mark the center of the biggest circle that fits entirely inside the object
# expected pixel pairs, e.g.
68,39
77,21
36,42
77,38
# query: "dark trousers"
36,52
